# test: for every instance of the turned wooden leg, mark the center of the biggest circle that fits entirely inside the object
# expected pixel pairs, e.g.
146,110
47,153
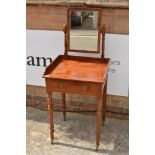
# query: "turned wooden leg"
98,119
64,106
104,103
50,110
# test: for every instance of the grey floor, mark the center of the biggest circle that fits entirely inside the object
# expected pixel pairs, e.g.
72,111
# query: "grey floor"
75,136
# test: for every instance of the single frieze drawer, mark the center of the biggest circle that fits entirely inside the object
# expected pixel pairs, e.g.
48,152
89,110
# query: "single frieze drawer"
87,88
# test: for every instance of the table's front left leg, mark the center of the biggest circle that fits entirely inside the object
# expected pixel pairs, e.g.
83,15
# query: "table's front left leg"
98,119
50,110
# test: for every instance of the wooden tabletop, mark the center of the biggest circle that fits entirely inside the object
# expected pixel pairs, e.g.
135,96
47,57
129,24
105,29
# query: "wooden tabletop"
79,70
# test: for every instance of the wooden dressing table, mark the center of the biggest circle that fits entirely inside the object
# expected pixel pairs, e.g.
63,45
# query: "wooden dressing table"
78,75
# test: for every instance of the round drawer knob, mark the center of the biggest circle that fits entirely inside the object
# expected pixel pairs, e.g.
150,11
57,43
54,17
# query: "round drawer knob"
85,88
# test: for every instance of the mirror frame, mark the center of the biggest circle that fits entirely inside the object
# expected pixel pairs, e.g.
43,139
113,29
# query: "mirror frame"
98,29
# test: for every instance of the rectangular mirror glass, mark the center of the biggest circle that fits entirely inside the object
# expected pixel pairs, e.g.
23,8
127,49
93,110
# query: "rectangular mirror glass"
84,30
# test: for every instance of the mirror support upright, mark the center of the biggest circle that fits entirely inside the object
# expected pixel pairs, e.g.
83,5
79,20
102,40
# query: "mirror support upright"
103,40
65,39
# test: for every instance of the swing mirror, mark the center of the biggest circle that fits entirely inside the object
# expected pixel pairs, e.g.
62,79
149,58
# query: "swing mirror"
84,27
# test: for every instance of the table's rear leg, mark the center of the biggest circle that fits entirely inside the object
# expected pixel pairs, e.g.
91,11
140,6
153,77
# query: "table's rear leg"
64,105
50,110
104,103
98,119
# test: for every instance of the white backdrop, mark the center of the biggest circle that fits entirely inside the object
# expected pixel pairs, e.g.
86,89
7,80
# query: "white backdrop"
49,44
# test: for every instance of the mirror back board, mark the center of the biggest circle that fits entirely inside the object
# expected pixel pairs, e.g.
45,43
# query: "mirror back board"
84,29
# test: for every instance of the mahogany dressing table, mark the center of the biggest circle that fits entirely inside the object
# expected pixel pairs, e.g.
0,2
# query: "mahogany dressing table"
77,74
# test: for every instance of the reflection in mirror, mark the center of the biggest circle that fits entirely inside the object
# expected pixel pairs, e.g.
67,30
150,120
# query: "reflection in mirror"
84,30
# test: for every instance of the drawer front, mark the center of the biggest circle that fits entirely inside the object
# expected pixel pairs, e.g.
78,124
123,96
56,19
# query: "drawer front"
75,87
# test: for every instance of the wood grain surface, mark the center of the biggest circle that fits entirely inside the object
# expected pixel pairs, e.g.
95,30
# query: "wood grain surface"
79,70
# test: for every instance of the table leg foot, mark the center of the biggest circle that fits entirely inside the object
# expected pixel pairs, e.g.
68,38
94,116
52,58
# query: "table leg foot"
64,118
52,137
52,142
97,146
